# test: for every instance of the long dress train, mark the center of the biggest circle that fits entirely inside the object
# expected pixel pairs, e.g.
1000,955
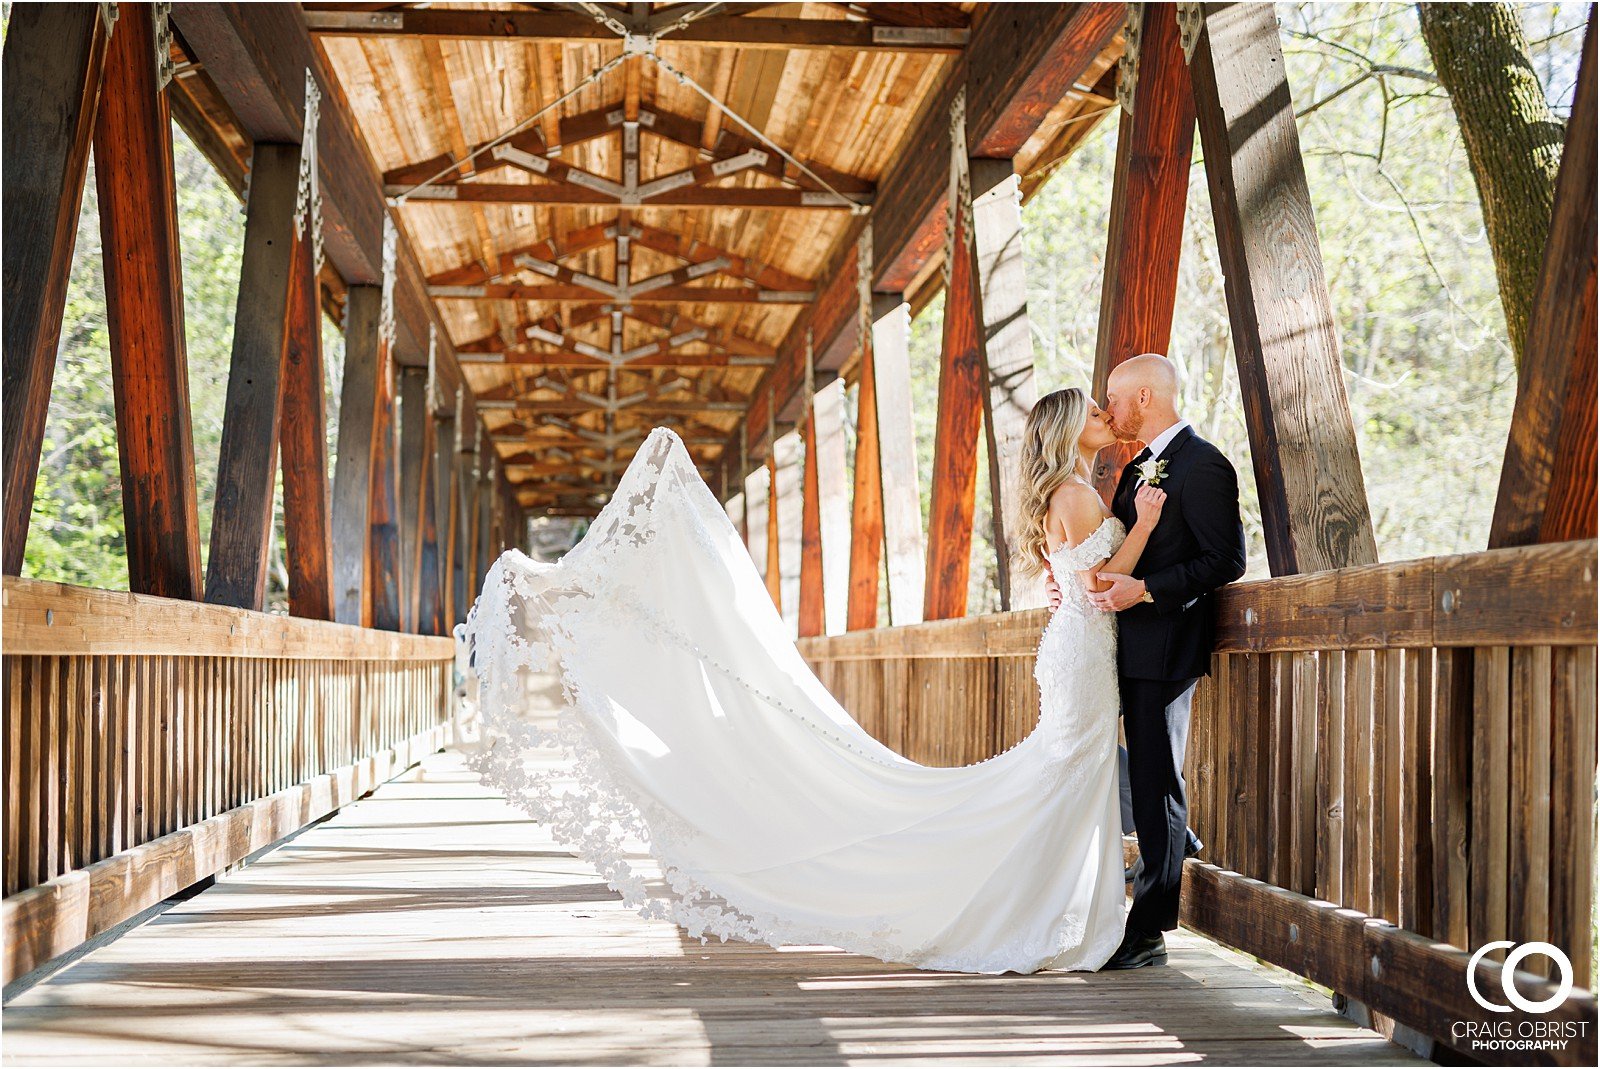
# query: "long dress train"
693,729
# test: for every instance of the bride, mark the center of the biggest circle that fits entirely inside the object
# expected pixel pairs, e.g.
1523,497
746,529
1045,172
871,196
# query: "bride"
693,730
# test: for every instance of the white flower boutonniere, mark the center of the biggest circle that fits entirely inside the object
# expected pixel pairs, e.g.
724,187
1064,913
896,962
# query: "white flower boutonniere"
1153,471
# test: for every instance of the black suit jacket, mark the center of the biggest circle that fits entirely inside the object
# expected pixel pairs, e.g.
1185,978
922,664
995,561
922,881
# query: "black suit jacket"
1196,547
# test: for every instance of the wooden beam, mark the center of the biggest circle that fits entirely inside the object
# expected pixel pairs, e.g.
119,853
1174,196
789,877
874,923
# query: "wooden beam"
414,420
1021,61
1547,483
466,587
578,294
774,572
1420,982
565,358
955,446
487,462
695,251
144,313
257,56
687,198
387,580
303,441
352,476
54,56
443,476
241,524
1007,351
1302,440
430,573
812,618
1149,190
712,31
866,506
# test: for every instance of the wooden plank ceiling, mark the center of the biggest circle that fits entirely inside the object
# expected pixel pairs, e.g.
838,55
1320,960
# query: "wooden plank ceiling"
587,300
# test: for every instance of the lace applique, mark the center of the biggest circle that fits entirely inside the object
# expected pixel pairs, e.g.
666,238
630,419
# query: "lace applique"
1097,547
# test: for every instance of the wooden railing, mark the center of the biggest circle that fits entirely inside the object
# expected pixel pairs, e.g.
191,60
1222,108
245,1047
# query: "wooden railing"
151,743
1413,743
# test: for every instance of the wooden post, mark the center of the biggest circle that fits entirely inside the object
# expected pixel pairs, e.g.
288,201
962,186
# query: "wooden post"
466,508
247,467
1007,350
955,446
1302,440
1155,145
144,311
54,57
774,571
1547,484
414,420
486,508
444,490
866,506
352,475
812,620
303,440
430,573
386,579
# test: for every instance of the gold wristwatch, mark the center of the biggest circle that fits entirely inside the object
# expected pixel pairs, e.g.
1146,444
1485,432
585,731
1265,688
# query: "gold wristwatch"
1151,598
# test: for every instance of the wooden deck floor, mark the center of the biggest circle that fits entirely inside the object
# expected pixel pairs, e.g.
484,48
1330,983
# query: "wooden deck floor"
431,924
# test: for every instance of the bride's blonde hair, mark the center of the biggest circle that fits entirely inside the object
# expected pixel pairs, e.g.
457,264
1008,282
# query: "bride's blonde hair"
1049,457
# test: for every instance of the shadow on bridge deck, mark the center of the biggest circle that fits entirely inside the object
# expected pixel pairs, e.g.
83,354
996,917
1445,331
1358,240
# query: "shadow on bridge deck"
429,924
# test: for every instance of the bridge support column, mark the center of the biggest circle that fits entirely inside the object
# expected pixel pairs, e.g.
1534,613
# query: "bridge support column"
54,58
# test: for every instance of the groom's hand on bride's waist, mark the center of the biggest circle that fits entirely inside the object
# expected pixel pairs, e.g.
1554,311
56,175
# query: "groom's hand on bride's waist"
1124,590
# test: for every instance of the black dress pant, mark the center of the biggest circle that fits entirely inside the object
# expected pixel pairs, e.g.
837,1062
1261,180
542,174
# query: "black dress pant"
1155,721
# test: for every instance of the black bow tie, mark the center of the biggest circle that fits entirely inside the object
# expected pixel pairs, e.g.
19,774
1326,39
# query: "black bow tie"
1144,455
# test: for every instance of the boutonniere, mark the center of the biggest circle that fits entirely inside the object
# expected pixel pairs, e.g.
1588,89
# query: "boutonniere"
1153,471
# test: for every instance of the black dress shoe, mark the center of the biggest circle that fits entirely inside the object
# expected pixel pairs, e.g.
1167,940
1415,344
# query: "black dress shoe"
1138,949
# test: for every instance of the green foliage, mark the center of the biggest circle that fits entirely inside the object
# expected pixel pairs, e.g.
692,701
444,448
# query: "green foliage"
76,534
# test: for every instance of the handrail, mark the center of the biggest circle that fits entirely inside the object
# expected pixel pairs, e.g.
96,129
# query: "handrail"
1501,596
152,742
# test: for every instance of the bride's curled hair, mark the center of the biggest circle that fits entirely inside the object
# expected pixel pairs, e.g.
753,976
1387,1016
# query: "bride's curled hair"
1049,457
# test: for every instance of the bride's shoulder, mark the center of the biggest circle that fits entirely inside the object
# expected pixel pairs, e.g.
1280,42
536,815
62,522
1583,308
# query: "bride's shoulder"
1077,505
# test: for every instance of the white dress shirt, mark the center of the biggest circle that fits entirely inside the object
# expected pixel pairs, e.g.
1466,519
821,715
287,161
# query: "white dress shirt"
1160,444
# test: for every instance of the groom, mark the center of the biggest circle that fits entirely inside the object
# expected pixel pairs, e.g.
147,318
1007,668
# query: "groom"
1165,626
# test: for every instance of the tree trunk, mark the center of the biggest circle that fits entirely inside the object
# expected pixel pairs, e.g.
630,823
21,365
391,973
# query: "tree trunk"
1512,137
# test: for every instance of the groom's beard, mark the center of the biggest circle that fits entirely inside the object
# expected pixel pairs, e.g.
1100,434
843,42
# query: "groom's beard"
1128,432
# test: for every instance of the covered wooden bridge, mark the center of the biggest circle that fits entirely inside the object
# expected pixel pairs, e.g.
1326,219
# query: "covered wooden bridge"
547,228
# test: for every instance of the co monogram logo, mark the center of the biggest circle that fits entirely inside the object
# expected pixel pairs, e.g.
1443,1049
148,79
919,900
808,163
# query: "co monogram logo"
1507,977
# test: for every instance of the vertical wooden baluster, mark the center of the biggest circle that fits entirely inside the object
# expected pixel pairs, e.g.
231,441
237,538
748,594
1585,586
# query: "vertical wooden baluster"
1491,758
1386,787
1330,775
50,831
1528,887
1572,715
1304,730
15,741
1358,710
1452,792
1416,841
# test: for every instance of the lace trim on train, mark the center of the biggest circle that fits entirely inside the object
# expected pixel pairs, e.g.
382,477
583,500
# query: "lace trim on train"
596,815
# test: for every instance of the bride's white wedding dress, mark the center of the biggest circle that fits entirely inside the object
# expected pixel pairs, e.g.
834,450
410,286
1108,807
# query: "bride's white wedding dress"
695,731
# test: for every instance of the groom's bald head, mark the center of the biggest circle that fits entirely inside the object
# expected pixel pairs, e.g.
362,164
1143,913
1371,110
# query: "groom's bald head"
1142,389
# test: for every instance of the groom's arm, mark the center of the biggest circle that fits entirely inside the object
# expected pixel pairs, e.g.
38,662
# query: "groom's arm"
1211,512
